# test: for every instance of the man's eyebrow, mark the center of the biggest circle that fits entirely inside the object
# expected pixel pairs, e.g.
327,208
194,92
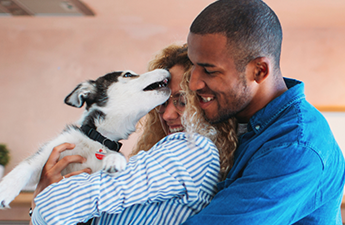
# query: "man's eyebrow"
206,65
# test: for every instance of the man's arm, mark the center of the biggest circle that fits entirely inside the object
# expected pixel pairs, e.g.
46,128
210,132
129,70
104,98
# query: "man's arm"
274,187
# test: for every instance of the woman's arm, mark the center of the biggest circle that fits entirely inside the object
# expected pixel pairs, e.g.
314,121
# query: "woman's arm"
172,168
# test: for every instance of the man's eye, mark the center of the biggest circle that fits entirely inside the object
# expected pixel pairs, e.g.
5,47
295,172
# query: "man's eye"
209,72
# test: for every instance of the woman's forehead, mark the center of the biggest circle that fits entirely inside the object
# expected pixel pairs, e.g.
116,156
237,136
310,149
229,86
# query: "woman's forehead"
176,72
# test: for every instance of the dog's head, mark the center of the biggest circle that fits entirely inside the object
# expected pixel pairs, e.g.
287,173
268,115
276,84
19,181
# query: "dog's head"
120,97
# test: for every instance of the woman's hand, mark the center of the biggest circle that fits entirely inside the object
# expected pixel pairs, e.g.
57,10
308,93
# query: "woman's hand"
51,172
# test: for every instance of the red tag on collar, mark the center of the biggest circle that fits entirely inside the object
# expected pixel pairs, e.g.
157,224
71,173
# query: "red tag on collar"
100,154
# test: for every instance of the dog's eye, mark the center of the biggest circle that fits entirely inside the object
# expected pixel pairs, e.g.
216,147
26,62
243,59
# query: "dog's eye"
128,74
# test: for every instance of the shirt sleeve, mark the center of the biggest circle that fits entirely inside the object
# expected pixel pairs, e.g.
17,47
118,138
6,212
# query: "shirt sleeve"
272,187
172,168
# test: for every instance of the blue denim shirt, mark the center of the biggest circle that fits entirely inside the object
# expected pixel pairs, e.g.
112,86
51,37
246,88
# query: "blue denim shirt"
288,169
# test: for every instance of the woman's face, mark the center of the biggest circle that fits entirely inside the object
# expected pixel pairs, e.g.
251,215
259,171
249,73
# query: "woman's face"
171,117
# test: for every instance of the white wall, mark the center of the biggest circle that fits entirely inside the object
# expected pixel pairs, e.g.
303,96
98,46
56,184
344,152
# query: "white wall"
337,122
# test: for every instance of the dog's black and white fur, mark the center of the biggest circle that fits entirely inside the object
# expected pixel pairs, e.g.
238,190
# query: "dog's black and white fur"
114,104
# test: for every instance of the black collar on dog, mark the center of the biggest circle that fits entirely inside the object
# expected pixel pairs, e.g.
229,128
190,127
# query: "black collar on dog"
96,136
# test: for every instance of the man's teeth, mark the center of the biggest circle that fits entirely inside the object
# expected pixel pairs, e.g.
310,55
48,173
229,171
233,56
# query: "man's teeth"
177,129
207,99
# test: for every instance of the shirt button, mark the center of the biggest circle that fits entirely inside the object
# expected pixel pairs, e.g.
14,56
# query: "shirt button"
257,127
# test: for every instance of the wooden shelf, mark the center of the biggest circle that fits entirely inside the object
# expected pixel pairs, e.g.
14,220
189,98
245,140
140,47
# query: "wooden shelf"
330,108
23,199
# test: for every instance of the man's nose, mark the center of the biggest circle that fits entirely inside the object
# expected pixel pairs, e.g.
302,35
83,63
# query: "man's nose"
196,82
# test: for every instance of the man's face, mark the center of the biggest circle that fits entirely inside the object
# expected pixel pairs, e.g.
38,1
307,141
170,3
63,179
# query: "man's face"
222,90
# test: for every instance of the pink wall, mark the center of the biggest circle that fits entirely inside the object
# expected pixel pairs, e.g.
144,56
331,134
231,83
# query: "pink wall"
43,58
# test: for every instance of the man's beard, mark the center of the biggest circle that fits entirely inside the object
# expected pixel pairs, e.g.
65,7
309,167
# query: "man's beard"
231,110
223,115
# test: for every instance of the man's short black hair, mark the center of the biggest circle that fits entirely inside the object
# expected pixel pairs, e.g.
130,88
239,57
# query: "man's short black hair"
251,27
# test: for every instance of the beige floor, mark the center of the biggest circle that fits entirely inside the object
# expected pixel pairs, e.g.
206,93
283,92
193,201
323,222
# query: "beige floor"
20,208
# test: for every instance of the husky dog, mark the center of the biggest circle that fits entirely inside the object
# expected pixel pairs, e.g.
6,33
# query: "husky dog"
114,104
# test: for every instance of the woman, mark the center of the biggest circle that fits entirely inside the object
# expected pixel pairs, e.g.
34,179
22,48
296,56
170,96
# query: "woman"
157,125
166,185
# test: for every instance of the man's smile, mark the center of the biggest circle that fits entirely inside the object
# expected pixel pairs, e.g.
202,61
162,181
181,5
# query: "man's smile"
206,99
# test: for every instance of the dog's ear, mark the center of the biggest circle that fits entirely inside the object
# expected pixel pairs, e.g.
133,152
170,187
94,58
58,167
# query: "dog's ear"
80,94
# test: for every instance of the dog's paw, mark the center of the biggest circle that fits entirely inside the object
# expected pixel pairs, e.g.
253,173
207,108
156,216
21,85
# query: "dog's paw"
114,162
4,205
7,194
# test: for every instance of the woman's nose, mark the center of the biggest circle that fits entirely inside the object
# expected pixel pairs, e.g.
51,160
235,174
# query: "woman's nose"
170,112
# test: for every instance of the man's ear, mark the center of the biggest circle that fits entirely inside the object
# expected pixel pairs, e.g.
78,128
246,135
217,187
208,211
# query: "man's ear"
83,92
261,69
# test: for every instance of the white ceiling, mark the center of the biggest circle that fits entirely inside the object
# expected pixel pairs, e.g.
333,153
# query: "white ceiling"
44,8
295,13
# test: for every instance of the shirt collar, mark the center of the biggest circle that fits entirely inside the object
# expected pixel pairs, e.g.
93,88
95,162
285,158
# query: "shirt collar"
264,116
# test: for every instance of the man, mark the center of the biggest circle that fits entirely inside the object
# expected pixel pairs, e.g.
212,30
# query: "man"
288,168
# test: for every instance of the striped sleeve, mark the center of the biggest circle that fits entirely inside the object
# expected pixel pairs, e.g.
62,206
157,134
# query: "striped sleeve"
173,168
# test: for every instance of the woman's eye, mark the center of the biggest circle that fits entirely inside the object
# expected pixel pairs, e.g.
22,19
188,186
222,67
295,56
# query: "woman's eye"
182,100
182,104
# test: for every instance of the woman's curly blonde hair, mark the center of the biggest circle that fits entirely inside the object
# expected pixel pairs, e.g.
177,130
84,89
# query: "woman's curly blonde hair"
222,134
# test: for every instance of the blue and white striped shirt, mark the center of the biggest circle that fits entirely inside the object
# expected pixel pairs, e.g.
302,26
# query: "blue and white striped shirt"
172,181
